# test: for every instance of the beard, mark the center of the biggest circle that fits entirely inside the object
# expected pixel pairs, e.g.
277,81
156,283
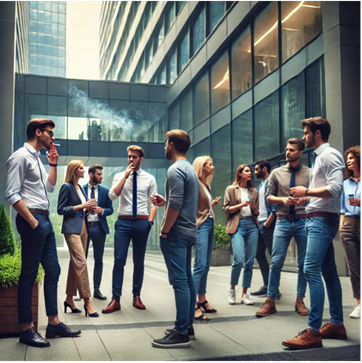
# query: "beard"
168,154
136,165
291,159
95,180
260,175
310,142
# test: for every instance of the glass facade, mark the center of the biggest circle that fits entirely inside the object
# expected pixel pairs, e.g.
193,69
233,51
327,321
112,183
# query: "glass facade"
47,34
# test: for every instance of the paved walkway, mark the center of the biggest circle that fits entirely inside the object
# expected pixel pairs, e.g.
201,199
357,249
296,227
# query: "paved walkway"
234,333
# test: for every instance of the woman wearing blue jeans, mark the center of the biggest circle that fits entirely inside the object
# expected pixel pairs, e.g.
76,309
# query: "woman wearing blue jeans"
205,234
241,203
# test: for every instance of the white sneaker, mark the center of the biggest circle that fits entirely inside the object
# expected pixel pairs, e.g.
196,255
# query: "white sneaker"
356,313
231,296
246,300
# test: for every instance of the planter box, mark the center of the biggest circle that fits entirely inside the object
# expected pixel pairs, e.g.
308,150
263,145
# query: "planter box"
221,257
9,325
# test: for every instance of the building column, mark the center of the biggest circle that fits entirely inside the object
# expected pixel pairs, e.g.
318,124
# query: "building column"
7,88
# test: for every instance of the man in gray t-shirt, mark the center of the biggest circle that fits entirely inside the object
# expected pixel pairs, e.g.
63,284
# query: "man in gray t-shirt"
178,235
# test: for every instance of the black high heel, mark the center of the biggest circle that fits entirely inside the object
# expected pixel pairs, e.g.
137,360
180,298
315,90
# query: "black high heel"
74,311
93,315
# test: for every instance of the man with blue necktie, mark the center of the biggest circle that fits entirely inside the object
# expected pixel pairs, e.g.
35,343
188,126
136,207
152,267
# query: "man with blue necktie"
97,223
136,214
290,223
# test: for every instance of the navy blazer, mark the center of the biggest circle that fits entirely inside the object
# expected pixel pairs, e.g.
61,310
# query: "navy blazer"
103,202
68,198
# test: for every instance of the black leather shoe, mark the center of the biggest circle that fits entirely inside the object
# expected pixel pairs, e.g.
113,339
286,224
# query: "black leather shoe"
61,331
98,295
33,338
261,292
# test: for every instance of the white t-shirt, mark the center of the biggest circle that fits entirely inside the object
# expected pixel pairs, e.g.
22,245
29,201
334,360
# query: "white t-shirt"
245,211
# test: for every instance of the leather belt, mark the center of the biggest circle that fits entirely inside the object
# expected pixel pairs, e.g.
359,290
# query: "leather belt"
322,214
40,211
131,217
291,217
93,223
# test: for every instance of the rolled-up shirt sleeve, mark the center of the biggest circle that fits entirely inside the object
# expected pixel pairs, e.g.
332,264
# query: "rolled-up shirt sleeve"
50,187
17,167
151,191
343,209
112,195
176,180
272,187
333,171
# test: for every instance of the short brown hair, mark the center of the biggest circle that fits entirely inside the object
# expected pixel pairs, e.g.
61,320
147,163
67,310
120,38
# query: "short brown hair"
180,138
136,148
38,123
92,169
299,143
356,151
318,123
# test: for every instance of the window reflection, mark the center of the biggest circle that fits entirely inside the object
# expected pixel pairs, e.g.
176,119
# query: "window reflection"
241,63
301,22
78,128
139,116
220,83
201,99
186,112
171,68
215,13
266,42
183,52
198,31
174,116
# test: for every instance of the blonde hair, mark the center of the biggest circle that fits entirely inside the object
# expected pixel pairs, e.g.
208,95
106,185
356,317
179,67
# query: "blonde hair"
71,168
137,148
198,165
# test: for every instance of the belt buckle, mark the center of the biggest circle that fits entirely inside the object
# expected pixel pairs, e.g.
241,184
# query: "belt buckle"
291,217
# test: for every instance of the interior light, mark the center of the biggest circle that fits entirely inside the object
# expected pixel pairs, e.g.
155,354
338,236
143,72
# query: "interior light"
226,77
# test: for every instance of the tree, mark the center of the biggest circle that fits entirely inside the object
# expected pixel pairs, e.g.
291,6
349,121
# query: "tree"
7,242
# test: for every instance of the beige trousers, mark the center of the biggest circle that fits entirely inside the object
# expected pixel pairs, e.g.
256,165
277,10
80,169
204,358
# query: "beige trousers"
78,272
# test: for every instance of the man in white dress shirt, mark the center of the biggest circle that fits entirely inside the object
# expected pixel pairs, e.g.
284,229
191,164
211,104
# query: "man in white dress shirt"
136,214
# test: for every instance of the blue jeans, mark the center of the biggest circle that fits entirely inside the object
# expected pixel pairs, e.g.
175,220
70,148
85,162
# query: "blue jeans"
244,243
265,242
283,233
98,237
125,230
176,249
320,258
203,251
37,246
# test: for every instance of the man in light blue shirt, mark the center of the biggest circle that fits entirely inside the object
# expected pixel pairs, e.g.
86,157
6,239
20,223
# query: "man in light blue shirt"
322,224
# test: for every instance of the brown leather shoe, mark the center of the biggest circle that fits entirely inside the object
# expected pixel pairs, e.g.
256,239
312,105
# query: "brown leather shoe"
300,308
267,308
306,339
138,304
114,305
330,331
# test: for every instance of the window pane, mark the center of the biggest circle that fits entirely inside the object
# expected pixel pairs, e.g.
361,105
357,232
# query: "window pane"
183,53
139,115
170,17
241,63
216,11
57,106
179,5
316,101
293,108
122,110
77,128
266,42
220,153
201,148
201,99
198,32
266,137
158,119
242,130
301,23
186,112
174,116
60,132
171,68
220,83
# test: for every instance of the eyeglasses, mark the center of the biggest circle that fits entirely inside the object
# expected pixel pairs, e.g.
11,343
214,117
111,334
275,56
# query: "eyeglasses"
51,133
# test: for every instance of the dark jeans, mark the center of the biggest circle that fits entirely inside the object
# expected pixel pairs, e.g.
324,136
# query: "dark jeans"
176,249
37,246
350,234
265,242
319,258
125,230
98,237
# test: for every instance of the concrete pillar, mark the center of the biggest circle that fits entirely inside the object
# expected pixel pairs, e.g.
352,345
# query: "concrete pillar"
7,88
341,36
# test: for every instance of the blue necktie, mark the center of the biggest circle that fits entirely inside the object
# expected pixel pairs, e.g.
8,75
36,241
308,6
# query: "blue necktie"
292,185
134,201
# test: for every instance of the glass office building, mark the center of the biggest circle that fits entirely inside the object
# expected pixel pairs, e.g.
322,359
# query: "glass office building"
47,38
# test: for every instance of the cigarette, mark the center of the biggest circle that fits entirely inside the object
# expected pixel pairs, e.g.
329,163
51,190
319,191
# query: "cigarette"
56,144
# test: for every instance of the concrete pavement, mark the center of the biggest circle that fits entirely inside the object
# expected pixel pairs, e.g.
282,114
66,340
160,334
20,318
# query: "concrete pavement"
234,333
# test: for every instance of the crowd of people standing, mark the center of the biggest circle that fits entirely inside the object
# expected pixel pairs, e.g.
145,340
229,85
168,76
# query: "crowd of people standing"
309,204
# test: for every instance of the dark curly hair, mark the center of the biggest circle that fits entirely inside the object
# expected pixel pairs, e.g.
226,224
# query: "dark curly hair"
356,151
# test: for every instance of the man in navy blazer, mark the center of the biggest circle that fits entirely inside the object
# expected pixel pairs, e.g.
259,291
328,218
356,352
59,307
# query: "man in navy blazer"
97,223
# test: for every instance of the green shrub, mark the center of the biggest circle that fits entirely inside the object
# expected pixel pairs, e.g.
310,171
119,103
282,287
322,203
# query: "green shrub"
222,239
7,242
10,268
